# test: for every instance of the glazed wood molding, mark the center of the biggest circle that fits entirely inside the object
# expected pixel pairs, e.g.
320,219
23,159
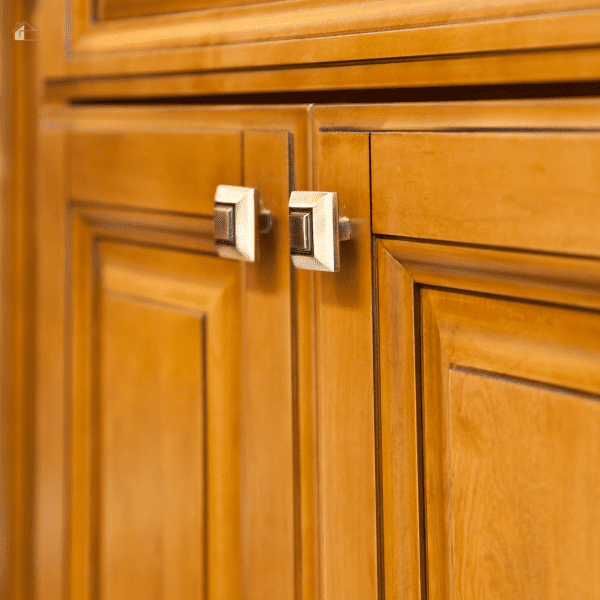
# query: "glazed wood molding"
532,276
304,32
532,67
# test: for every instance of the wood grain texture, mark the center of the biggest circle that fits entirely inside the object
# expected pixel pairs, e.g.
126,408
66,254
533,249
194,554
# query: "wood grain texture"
511,422
50,375
508,378
17,263
172,170
346,403
532,114
308,32
502,433
152,449
443,186
111,9
268,407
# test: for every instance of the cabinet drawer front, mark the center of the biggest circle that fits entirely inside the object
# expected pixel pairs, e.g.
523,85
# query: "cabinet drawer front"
211,40
526,189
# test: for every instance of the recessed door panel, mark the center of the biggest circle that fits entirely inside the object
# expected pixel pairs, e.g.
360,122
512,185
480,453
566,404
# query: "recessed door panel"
157,398
152,450
524,488
511,419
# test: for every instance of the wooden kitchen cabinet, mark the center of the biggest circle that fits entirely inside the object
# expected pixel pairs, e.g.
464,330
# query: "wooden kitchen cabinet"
167,402
422,424
486,346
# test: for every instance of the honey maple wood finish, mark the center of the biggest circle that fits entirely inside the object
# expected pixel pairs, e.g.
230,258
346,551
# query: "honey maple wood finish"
308,45
17,151
110,9
368,464
345,401
182,466
511,448
485,359
504,387
422,424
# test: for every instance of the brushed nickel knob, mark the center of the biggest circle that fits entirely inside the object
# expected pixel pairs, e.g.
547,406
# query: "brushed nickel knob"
238,222
316,231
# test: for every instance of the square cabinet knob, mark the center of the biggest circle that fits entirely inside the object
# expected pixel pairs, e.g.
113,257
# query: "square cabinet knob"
316,230
236,222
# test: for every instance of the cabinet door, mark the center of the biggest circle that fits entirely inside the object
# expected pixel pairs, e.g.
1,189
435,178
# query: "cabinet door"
166,396
467,419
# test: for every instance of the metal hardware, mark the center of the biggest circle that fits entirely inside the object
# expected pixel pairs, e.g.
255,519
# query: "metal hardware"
238,222
224,224
345,229
315,231
300,232
265,221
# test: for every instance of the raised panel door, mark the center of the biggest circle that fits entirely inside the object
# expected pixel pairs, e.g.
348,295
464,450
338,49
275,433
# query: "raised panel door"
511,420
167,387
